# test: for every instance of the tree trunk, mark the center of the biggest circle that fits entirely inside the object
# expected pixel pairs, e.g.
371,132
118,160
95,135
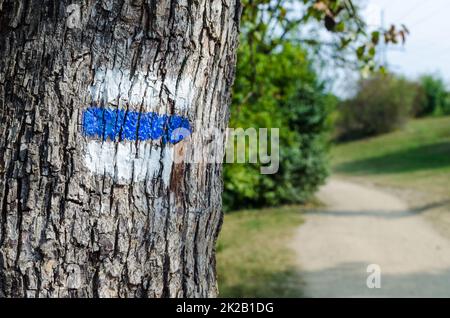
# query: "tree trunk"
85,214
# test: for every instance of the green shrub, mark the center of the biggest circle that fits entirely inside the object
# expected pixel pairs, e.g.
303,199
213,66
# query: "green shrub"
382,104
435,98
420,100
286,94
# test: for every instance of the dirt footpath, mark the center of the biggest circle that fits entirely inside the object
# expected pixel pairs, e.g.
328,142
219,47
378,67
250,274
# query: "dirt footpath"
361,226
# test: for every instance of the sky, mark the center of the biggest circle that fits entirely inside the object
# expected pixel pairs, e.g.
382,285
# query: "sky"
427,49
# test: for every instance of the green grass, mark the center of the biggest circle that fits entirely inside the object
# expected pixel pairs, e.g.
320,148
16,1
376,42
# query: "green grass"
253,258
415,157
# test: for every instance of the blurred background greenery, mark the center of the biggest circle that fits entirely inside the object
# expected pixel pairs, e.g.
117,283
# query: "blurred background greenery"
391,130
286,93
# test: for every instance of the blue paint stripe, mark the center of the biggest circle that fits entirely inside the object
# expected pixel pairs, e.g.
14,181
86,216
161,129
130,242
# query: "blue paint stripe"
119,124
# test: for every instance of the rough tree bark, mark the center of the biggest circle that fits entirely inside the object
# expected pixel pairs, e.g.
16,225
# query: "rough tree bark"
82,217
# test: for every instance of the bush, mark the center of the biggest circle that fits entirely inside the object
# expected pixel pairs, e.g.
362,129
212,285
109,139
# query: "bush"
286,94
382,104
434,98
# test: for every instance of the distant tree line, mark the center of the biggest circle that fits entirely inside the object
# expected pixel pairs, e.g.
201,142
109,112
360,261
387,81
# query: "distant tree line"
385,102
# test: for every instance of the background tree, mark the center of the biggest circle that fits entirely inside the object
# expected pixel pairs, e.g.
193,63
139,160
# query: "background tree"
433,96
382,103
266,24
277,87
287,95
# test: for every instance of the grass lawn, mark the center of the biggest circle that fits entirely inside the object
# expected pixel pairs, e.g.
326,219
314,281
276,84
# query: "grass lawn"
253,259
416,157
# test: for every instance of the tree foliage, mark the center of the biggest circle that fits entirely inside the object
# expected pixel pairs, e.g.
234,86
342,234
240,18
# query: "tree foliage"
268,23
285,95
382,103
277,87
433,96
